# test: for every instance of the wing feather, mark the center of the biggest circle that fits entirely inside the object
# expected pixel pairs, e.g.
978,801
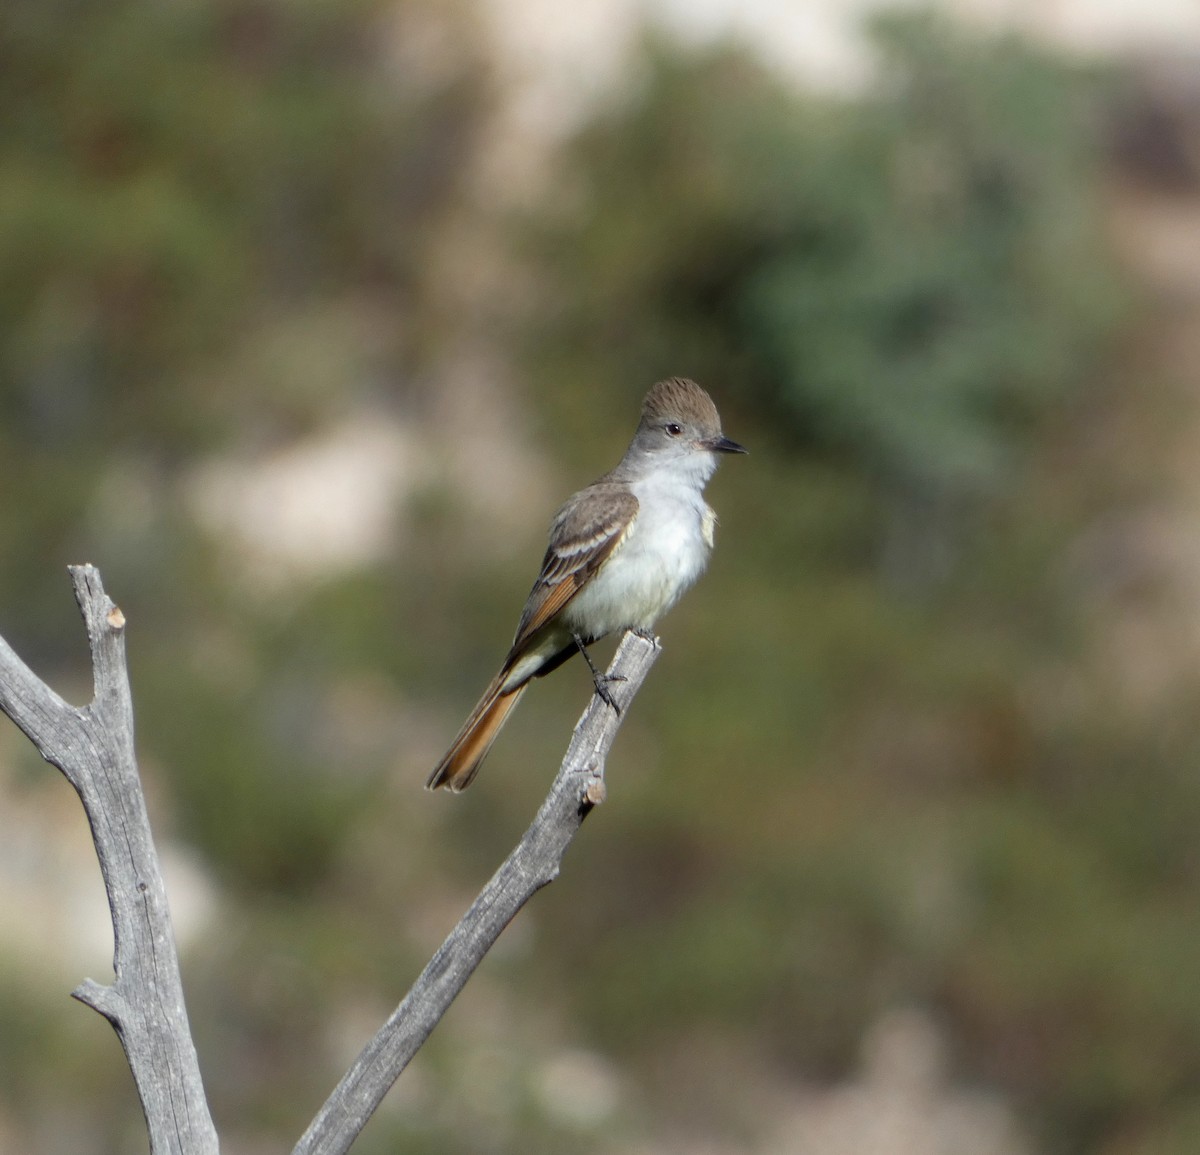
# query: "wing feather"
585,533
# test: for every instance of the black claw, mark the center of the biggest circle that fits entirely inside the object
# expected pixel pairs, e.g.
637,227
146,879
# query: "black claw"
606,694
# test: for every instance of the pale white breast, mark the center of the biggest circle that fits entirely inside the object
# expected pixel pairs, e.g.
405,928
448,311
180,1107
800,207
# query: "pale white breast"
664,553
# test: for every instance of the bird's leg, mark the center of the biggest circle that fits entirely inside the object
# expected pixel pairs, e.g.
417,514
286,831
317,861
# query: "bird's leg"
600,680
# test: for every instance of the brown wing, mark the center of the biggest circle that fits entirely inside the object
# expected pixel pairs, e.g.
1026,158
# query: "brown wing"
583,536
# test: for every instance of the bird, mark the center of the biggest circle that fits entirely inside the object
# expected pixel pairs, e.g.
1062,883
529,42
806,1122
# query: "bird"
621,552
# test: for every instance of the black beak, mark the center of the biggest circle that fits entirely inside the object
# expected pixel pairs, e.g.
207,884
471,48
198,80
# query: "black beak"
723,445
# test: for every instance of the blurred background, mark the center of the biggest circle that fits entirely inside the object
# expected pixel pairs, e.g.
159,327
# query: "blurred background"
310,315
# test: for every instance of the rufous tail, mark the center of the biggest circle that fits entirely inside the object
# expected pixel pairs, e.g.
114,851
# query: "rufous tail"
458,767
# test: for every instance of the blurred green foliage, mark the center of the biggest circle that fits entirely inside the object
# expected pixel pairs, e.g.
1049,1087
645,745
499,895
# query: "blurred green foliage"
221,226
182,188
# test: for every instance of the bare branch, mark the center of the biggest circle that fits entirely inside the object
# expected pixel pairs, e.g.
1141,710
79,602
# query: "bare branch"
94,749
42,716
578,786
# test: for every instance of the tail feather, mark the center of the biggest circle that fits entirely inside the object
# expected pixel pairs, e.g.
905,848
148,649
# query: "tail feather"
461,762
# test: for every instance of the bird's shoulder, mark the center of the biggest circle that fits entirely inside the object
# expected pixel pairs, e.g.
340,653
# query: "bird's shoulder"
592,520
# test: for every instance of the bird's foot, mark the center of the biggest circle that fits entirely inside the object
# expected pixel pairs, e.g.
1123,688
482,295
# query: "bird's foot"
601,680
602,683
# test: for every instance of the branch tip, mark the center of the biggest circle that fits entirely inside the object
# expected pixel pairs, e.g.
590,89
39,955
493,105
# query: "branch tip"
85,576
105,1001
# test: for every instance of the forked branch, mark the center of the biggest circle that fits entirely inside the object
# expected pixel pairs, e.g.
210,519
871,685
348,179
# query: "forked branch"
93,747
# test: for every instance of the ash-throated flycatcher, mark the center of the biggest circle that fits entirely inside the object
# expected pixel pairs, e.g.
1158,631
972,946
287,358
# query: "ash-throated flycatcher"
621,552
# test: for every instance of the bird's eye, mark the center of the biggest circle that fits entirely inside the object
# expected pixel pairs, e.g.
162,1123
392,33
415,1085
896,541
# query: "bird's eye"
674,429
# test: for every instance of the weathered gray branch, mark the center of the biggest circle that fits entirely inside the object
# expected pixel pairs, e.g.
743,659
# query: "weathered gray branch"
535,861
93,747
